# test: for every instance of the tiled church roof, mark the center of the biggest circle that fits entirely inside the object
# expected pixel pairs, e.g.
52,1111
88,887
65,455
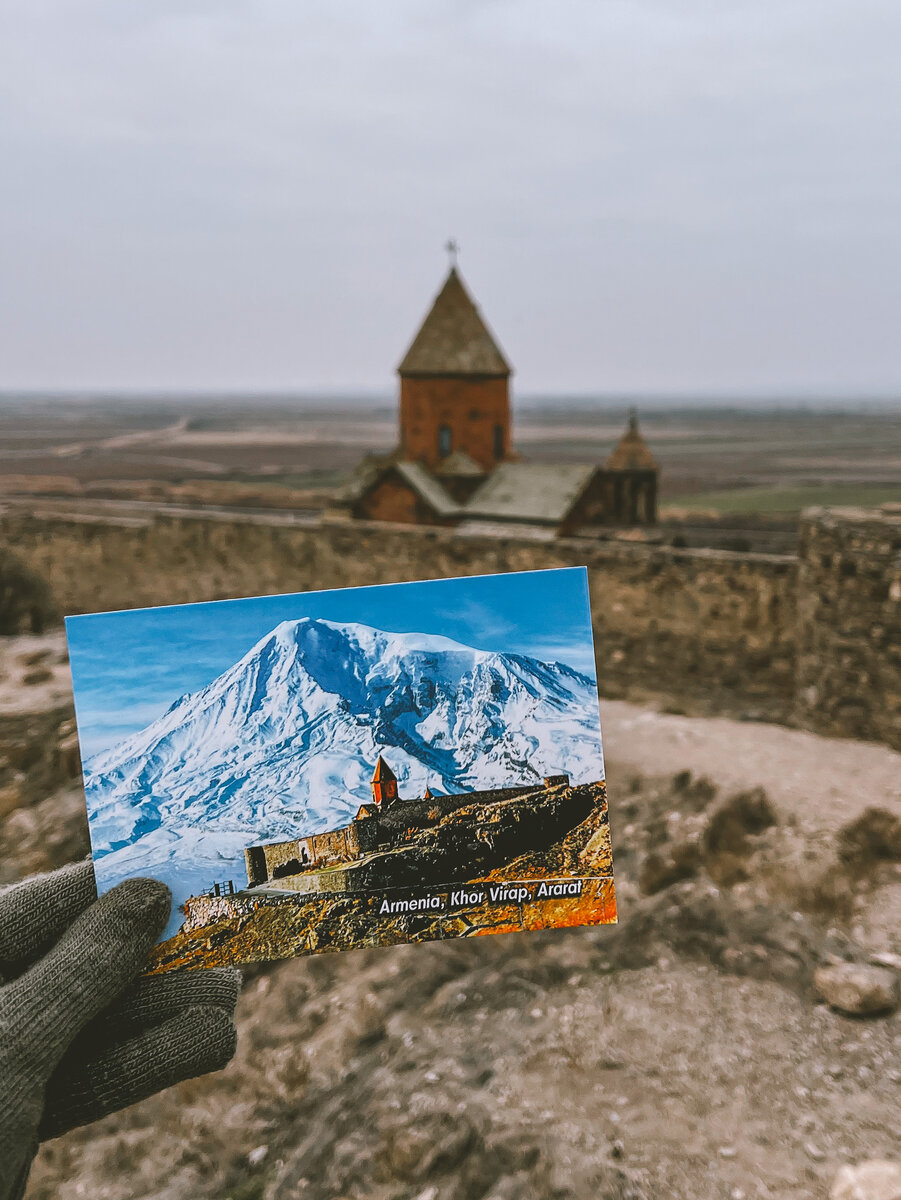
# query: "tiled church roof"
382,771
542,492
424,483
459,464
453,339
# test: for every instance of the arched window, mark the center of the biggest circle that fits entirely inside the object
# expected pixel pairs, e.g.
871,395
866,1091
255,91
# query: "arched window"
445,441
498,442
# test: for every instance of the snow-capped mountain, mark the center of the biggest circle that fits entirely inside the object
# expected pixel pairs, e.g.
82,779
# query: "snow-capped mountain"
284,743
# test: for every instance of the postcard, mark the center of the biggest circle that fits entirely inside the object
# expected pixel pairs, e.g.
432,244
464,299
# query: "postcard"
358,767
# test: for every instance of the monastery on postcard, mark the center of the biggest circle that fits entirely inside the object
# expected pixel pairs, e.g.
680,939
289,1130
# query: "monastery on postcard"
389,822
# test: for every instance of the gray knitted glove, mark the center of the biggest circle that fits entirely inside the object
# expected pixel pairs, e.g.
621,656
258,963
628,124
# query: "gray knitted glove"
80,1035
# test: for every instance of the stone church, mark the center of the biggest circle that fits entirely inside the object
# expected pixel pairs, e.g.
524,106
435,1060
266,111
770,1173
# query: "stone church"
455,463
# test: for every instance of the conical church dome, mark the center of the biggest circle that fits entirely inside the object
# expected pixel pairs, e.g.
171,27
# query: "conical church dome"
453,339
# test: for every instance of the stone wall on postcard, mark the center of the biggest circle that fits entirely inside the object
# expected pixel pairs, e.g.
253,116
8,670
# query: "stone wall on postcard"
849,624
699,631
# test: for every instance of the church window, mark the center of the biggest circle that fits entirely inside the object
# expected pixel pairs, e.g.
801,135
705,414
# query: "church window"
445,441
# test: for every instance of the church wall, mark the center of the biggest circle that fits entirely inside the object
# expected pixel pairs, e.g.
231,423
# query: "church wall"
393,500
594,506
469,407
269,861
255,862
336,844
650,498
639,499
461,487
368,834
276,855
615,498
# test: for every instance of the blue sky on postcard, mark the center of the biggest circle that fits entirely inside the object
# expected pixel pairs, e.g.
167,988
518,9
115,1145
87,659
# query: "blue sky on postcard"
128,667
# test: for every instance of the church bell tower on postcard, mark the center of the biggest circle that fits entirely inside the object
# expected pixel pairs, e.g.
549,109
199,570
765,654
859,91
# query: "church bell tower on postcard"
383,784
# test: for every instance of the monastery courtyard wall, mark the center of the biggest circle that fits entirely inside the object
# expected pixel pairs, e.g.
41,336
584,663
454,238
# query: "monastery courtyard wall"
813,640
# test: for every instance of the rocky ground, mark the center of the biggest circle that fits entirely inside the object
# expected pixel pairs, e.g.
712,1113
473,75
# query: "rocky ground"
688,1052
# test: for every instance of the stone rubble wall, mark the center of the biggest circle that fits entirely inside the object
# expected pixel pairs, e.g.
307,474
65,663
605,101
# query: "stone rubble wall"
705,632
205,910
849,624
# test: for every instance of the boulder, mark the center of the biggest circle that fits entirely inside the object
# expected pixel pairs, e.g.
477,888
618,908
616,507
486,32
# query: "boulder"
668,865
740,816
874,835
874,1180
857,989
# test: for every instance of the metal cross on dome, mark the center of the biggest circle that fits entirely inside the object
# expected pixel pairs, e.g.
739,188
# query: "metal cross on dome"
452,247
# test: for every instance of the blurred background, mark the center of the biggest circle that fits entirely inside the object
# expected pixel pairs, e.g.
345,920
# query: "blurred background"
221,226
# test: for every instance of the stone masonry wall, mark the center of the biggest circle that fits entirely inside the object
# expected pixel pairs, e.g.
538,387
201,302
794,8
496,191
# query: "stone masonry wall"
813,640
849,624
696,630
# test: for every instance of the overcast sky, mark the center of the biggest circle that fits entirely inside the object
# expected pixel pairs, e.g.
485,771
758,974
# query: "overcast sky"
671,196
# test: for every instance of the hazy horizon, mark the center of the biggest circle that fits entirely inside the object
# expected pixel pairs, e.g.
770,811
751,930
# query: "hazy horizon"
387,399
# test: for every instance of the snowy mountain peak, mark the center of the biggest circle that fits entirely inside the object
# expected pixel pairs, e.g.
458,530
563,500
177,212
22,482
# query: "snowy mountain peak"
316,631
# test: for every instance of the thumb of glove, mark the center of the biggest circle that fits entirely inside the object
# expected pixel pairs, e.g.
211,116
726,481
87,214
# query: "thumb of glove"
43,1010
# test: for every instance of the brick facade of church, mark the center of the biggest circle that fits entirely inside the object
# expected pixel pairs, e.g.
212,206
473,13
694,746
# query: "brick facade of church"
442,415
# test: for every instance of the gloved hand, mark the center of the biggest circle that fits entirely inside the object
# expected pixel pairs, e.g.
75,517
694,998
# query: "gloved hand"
80,1035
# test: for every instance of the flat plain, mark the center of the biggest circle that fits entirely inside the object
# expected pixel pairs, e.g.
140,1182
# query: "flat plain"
717,458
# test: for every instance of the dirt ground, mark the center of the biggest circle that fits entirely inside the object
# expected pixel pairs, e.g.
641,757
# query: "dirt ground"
684,1053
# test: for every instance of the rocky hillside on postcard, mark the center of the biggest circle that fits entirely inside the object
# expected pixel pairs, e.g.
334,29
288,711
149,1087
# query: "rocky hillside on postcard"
560,831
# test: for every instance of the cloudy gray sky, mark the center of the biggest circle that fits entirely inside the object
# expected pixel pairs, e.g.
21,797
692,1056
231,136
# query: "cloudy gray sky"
650,195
